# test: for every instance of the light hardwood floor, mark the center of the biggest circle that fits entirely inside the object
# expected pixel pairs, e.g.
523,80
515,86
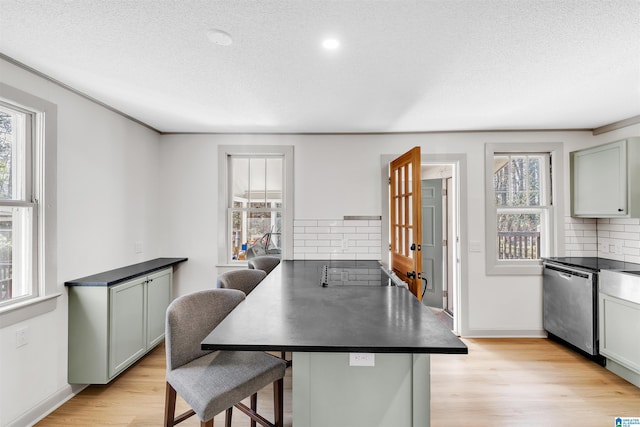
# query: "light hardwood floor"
501,382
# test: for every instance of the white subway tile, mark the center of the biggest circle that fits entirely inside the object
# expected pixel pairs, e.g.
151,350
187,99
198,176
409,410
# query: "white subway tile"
355,236
625,236
317,229
368,230
632,243
305,223
631,251
340,256
368,243
330,222
375,223
611,227
355,222
306,250
625,221
632,228
583,226
317,243
305,236
343,230
329,236
631,258
584,240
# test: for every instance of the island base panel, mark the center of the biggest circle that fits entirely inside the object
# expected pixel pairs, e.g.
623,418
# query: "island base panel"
393,393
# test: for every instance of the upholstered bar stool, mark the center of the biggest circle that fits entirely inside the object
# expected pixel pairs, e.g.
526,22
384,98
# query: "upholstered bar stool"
243,280
213,381
265,263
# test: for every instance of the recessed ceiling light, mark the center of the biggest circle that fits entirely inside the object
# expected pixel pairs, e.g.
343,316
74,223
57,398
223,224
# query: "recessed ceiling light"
219,37
331,44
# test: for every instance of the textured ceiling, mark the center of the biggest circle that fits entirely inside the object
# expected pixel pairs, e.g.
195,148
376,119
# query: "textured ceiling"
402,65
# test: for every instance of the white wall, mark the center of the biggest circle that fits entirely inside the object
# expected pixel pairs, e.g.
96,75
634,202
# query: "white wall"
108,198
338,175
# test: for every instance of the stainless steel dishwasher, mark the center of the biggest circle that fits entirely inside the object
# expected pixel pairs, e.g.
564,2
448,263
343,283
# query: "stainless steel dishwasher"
570,306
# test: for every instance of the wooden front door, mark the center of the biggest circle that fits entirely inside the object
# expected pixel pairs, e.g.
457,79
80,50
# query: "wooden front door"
406,225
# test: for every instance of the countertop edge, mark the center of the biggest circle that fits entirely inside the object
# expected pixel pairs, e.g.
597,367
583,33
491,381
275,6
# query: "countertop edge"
329,349
119,275
595,264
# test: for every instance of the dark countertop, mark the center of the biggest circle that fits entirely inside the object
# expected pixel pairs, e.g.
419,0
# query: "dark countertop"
595,263
290,311
119,275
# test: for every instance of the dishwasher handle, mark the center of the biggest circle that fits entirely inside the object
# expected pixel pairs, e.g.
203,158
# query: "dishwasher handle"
568,272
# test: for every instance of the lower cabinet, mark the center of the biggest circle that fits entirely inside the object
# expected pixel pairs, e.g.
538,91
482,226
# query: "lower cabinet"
110,327
620,336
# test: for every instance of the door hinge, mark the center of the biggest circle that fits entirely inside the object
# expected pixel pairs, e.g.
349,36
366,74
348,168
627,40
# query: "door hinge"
444,192
444,242
445,293
389,180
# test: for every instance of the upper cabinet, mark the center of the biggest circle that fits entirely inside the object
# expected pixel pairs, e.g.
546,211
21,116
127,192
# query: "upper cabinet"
605,180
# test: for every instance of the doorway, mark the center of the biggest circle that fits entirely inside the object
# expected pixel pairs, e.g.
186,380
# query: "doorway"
439,238
456,248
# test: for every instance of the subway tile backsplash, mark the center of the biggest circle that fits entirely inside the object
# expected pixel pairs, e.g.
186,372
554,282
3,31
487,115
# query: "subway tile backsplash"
611,238
357,239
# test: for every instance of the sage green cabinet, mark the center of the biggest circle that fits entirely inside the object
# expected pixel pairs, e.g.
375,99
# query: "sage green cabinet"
111,327
619,324
605,180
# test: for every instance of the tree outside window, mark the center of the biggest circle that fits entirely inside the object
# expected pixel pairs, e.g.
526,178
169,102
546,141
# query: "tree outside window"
521,199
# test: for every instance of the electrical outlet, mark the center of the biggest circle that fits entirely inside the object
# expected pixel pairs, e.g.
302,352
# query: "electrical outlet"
362,359
22,338
137,246
618,246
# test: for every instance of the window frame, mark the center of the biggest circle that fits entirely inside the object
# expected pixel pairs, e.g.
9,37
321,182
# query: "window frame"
553,238
44,196
224,217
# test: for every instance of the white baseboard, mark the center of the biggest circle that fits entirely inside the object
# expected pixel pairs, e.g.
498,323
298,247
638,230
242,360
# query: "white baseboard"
47,406
506,333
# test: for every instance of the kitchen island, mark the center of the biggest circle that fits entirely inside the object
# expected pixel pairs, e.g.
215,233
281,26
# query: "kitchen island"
360,348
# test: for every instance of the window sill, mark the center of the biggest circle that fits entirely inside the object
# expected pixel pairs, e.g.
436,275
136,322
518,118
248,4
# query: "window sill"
20,312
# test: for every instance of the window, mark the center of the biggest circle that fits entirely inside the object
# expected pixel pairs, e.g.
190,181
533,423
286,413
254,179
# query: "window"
520,213
257,192
27,232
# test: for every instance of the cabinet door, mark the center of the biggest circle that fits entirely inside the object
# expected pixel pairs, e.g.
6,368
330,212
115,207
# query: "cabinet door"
158,299
599,181
620,331
127,340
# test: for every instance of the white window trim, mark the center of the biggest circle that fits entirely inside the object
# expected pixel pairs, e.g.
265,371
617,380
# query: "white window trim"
287,215
46,115
556,211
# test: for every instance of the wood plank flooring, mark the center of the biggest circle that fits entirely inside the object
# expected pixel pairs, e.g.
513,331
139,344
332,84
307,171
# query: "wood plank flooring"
501,382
